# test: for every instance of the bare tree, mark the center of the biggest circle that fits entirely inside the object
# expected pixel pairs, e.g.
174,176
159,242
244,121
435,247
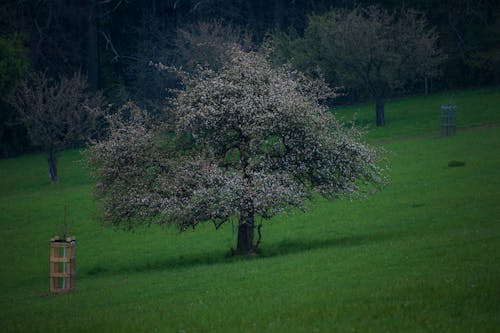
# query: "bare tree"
57,114
251,142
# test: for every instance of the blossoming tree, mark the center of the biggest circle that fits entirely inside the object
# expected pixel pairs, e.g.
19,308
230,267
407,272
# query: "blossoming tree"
251,141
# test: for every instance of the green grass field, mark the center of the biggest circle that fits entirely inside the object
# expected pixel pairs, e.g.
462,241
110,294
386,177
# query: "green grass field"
421,255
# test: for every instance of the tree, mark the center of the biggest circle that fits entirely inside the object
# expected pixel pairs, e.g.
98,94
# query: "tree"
14,65
144,84
369,49
57,114
208,44
203,44
251,141
14,61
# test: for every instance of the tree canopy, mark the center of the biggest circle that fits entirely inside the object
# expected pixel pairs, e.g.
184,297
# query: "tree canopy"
252,141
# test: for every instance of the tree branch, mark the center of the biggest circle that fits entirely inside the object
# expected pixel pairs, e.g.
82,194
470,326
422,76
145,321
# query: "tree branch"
110,44
218,225
117,56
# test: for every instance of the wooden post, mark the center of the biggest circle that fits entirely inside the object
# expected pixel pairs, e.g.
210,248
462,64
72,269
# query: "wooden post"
62,264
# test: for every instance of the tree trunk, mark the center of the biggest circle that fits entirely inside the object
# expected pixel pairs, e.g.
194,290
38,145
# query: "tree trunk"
380,114
279,14
247,209
52,167
93,47
245,234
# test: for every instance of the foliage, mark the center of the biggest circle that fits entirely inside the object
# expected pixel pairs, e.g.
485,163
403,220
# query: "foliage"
260,142
57,114
14,62
469,34
14,65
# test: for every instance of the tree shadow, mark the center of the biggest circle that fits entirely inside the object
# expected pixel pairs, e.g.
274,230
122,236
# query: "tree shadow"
288,247
283,248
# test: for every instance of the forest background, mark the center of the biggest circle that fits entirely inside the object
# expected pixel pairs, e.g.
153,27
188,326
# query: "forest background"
114,41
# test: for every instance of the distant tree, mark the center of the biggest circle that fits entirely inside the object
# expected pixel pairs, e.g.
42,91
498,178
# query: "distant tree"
144,84
474,41
251,141
14,65
369,49
209,44
57,114
14,61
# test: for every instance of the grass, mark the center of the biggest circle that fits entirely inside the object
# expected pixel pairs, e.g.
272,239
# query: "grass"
421,255
419,115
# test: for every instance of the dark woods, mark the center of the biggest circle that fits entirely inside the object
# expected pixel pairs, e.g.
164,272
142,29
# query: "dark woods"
114,41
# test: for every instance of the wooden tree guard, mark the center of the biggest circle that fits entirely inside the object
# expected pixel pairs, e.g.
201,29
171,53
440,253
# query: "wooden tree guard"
448,120
62,264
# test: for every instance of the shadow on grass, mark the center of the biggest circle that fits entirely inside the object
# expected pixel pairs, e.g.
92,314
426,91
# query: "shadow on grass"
283,248
287,247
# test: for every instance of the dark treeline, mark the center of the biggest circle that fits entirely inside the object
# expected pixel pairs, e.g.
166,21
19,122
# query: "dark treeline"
113,41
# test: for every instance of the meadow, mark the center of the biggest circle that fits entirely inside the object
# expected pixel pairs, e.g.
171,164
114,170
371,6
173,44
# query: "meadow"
423,254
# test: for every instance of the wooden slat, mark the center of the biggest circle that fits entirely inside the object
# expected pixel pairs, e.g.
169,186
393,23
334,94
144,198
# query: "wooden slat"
59,244
61,259
61,275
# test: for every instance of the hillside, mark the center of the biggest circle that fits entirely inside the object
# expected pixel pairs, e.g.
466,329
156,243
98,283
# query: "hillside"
421,255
